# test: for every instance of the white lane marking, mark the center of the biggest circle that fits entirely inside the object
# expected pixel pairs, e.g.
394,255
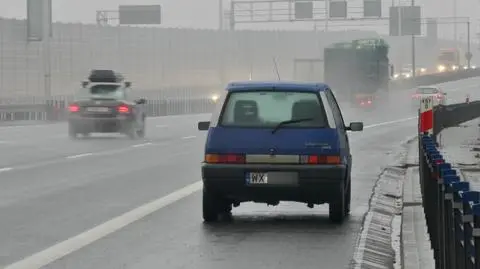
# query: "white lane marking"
188,137
62,249
388,122
142,145
6,169
80,155
161,126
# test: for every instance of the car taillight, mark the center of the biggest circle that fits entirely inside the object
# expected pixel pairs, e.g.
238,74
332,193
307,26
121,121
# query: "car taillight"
123,109
225,158
321,159
369,102
73,108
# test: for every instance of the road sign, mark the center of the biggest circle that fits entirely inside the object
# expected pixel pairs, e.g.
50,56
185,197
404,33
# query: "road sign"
426,114
372,8
39,19
303,10
337,9
146,14
405,20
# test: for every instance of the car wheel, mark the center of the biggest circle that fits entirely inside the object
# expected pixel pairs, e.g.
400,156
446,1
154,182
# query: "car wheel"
141,132
210,206
348,198
131,132
214,206
338,205
72,133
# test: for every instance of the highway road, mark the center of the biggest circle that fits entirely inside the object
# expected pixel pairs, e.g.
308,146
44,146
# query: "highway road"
111,202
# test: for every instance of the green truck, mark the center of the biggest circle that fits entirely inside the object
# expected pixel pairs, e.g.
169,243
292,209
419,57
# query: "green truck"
358,71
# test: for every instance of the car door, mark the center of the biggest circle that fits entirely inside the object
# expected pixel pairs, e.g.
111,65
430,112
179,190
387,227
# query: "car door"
342,132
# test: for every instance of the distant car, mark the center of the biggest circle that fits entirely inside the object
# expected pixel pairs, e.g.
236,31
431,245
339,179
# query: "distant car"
438,95
277,141
104,105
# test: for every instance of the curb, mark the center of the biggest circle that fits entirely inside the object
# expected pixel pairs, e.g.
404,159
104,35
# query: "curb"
379,242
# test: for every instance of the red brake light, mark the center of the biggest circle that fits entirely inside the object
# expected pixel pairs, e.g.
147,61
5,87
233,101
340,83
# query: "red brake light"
225,158
73,108
323,159
369,102
123,109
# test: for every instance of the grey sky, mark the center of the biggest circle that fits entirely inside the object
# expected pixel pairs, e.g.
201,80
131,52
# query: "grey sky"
204,13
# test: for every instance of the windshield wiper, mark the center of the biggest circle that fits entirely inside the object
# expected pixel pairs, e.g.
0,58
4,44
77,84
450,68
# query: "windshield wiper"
279,125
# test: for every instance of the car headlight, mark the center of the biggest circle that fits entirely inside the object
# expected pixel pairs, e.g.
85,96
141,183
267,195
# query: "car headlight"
423,70
214,97
454,67
396,75
441,68
407,75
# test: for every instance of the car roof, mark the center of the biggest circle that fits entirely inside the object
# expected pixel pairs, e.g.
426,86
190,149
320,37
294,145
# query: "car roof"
277,85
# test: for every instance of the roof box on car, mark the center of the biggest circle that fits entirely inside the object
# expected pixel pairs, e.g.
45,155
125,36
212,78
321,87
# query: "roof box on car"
108,76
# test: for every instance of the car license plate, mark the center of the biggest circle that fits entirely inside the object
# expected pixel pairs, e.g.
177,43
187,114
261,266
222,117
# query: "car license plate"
98,109
257,178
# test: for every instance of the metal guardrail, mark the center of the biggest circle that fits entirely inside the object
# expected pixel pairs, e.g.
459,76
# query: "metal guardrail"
452,210
435,78
446,116
55,109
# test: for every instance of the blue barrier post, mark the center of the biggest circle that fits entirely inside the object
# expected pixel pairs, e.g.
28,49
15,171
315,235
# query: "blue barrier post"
445,220
455,224
434,159
469,198
476,233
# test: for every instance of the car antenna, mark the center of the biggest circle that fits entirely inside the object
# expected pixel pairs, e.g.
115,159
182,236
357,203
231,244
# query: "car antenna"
276,67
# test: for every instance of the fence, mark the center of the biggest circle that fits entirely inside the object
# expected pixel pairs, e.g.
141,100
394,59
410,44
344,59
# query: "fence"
452,209
163,58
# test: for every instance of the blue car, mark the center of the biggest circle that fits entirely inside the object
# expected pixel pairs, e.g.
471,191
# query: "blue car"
276,141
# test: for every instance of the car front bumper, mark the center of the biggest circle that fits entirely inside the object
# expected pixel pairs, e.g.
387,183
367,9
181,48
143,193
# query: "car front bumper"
302,183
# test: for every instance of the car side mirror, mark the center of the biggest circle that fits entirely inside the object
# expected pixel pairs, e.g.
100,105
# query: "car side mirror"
355,127
141,101
128,84
203,125
84,84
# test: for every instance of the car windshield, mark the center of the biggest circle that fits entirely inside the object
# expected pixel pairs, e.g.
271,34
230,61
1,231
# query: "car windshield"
427,90
266,109
102,91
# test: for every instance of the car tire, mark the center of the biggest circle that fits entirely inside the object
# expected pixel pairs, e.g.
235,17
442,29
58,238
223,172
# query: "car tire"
210,206
348,198
131,131
337,207
72,133
141,132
